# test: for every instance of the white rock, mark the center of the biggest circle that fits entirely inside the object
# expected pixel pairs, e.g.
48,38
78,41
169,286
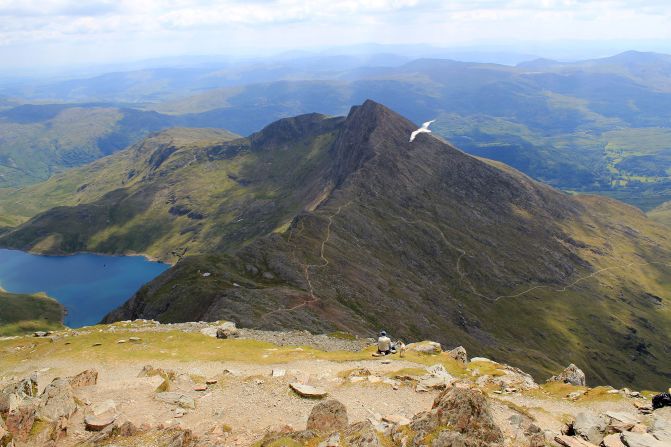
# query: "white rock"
308,390
104,407
481,359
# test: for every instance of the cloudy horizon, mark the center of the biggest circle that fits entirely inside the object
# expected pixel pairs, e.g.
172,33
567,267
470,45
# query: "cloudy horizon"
53,33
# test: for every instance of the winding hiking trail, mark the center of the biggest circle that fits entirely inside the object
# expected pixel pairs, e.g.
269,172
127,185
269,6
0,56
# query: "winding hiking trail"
306,267
463,276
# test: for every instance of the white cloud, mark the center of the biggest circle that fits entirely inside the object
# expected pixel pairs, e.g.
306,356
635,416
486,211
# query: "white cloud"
196,26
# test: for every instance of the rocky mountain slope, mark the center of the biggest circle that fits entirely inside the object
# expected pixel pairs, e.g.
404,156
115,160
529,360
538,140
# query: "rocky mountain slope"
341,224
145,384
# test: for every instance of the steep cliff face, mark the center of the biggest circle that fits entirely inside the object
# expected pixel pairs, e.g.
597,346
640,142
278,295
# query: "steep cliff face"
428,242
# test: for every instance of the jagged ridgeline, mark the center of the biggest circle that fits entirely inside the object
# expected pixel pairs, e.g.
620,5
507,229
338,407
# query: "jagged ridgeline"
326,224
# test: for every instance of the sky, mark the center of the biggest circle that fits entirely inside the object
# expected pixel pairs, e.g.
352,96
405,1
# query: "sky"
43,33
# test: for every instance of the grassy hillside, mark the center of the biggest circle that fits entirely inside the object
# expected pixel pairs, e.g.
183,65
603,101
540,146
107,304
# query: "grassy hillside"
662,213
91,182
167,195
40,140
28,313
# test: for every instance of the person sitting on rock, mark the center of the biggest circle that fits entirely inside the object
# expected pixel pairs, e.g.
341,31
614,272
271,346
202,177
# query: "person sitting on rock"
384,346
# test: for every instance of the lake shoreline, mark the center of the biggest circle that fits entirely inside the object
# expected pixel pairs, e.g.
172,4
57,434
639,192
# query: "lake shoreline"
146,256
88,285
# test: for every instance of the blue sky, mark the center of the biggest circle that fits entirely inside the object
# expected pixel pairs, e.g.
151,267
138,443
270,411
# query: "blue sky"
64,32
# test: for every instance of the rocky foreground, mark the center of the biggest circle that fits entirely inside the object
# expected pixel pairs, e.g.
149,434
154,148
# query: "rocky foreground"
210,384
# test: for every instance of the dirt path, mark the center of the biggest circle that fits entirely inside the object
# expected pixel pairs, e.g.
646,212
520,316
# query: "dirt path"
246,397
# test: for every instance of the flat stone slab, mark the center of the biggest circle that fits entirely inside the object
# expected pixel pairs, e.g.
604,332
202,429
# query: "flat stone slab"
642,440
308,391
612,441
572,441
179,399
622,417
97,423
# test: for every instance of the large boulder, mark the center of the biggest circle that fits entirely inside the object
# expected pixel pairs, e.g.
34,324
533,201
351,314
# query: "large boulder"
16,392
20,422
571,375
437,378
227,330
458,417
84,378
661,425
327,416
57,401
5,435
591,427
425,347
459,354
362,434
508,377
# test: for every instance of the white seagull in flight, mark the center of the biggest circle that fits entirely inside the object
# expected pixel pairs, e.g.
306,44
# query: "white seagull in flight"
423,129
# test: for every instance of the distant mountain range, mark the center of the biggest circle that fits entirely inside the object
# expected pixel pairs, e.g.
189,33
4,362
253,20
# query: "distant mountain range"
339,223
593,126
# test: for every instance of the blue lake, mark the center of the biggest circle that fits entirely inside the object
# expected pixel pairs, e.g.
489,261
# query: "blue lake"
88,285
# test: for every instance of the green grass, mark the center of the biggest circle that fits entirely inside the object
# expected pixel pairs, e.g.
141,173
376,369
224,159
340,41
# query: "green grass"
662,213
20,314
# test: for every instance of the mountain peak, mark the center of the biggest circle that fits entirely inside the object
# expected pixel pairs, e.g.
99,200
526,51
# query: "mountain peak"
369,130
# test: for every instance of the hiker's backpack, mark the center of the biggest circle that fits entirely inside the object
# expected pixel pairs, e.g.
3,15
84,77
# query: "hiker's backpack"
661,400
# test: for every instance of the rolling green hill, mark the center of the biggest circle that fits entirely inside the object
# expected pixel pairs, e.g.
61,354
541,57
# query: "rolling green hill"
37,141
599,126
28,313
662,213
91,182
329,224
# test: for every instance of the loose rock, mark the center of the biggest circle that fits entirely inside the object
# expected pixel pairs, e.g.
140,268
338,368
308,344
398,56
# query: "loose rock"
612,441
458,417
571,441
572,375
590,427
57,401
84,378
641,440
308,390
459,354
97,423
425,347
179,399
20,422
327,416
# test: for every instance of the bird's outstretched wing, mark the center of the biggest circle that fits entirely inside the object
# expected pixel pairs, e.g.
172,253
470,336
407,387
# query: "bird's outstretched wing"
413,135
427,124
